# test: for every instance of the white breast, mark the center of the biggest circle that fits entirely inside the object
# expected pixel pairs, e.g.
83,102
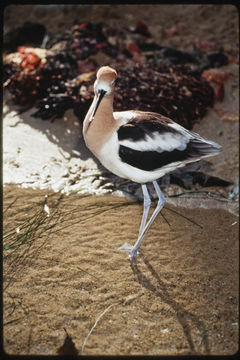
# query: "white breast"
108,155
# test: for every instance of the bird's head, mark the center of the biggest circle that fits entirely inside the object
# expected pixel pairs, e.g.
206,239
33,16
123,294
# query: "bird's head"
104,85
105,82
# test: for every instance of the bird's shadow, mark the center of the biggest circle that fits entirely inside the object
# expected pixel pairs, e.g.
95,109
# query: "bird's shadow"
185,318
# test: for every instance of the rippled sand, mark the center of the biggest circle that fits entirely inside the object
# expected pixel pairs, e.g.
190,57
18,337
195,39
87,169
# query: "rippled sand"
180,298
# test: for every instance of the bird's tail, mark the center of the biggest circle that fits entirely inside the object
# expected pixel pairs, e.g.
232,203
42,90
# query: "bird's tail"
203,147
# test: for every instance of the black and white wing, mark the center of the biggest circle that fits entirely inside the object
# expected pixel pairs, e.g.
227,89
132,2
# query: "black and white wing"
149,141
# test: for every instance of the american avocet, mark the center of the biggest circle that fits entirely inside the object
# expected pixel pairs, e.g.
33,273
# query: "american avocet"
137,145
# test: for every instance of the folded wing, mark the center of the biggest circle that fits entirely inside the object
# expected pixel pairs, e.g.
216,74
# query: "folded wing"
154,142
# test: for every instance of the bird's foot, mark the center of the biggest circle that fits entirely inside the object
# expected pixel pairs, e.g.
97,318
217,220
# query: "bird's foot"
130,250
126,247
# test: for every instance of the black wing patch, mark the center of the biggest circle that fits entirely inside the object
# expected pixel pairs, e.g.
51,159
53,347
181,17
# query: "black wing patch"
137,130
153,160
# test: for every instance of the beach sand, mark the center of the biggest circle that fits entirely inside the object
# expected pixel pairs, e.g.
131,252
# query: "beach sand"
180,298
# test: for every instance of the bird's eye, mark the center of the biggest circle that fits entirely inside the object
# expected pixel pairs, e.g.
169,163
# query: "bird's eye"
113,82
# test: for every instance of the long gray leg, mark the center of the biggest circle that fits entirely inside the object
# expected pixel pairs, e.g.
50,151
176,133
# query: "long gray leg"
132,250
146,206
160,204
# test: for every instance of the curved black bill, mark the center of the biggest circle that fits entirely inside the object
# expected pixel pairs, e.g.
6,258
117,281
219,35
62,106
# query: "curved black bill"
101,94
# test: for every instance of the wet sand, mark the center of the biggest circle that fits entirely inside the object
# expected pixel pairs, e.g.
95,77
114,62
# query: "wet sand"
180,298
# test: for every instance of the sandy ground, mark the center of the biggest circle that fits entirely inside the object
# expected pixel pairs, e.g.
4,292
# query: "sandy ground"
181,297
61,269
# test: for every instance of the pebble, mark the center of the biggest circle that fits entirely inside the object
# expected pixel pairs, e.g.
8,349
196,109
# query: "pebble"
129,299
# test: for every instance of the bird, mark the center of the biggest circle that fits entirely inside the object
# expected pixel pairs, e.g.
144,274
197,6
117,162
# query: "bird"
140,146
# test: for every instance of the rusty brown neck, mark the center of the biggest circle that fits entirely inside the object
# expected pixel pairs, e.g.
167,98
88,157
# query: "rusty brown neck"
100,129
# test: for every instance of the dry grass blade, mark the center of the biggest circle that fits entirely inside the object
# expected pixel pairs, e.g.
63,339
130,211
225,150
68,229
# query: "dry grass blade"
95,324
183,216
23,229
